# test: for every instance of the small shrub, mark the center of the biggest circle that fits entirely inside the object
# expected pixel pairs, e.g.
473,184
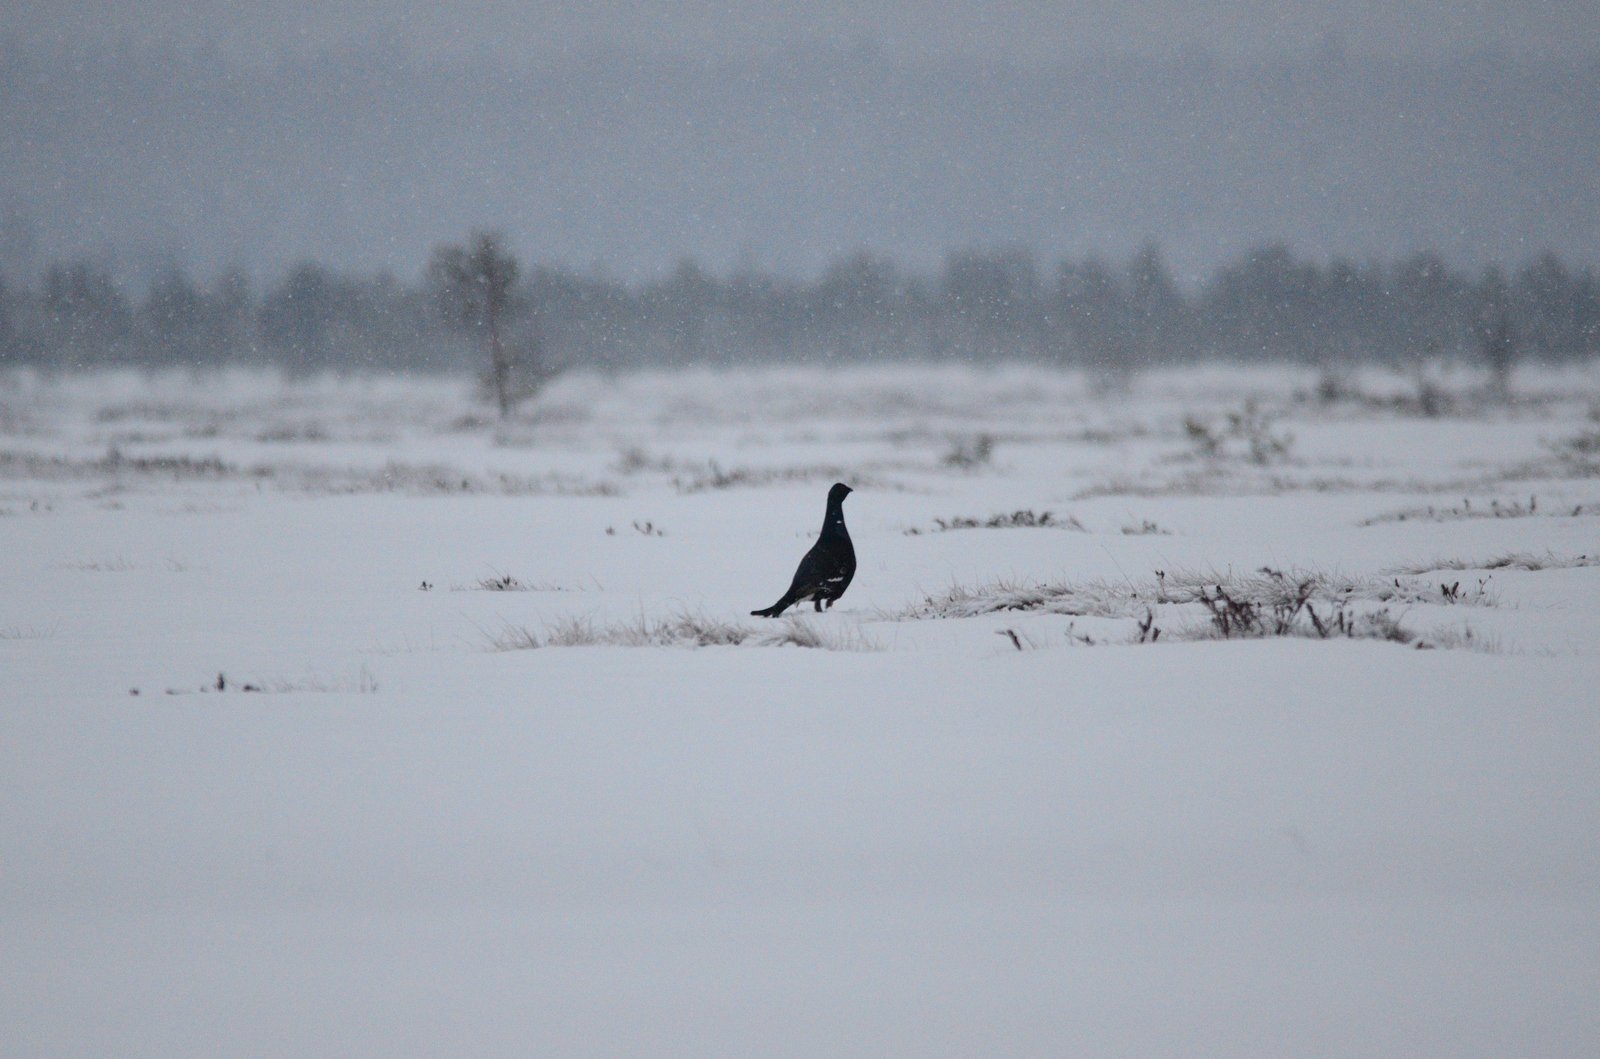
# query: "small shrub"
1145,528
1233,619
1334,387
634,460
971,453
1432,400
1581,449
1205,440
1254,428
1245,617
1248,425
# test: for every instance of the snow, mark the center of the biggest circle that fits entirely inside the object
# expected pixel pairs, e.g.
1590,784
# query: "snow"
410,843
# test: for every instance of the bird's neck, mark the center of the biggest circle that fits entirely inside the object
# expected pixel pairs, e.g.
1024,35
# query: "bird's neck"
834,519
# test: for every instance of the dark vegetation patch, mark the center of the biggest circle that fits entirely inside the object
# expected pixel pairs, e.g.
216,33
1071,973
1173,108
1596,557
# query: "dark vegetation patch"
502,582
294,432
1022,519
697,478
1291,614
423,480
27,632
1494,509
361,683
1579,455
1144,528
968,454
33,466
1246,433
1131,599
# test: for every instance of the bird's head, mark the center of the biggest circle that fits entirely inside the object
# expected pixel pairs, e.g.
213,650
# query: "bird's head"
839,491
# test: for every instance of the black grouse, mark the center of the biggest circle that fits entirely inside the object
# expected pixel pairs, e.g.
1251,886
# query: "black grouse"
826,570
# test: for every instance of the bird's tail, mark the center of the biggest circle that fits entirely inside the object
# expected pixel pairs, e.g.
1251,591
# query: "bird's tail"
773,611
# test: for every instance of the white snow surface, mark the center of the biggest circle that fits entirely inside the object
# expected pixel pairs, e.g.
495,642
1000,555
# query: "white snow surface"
411,843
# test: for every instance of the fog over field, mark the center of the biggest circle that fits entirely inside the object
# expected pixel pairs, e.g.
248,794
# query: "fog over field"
363,153
1170,432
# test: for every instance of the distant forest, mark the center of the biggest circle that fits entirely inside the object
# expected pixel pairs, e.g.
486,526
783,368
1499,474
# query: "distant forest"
982,307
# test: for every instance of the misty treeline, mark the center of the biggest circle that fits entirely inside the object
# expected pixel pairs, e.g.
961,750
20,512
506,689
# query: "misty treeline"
980,307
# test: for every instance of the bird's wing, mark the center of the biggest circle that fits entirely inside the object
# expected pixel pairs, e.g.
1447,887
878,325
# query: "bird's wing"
826,565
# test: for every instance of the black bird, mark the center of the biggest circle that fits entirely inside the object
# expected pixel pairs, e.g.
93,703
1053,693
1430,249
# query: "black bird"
826,570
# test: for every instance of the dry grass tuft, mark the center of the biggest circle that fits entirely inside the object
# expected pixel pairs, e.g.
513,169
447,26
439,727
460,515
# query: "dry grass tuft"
1463,638
684,629
324,480
797,631
635,460
27,632
360,683
698,478
1291,615
1495,509
1509,561
1189,607
118,565
1145,528
503,582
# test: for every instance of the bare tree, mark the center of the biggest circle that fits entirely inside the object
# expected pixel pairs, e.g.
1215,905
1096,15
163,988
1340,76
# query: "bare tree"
1498,340
474,286
1497,336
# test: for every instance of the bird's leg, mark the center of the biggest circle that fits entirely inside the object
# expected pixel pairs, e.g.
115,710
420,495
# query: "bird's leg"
817,603
830,604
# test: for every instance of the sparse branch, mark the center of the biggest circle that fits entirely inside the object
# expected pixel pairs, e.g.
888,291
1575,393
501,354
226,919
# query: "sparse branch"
474,286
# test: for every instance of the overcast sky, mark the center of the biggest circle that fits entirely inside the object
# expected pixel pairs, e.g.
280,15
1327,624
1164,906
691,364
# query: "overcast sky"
1029,30
798,155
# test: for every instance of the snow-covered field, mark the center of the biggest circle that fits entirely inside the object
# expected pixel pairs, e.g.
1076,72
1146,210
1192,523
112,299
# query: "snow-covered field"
340,721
